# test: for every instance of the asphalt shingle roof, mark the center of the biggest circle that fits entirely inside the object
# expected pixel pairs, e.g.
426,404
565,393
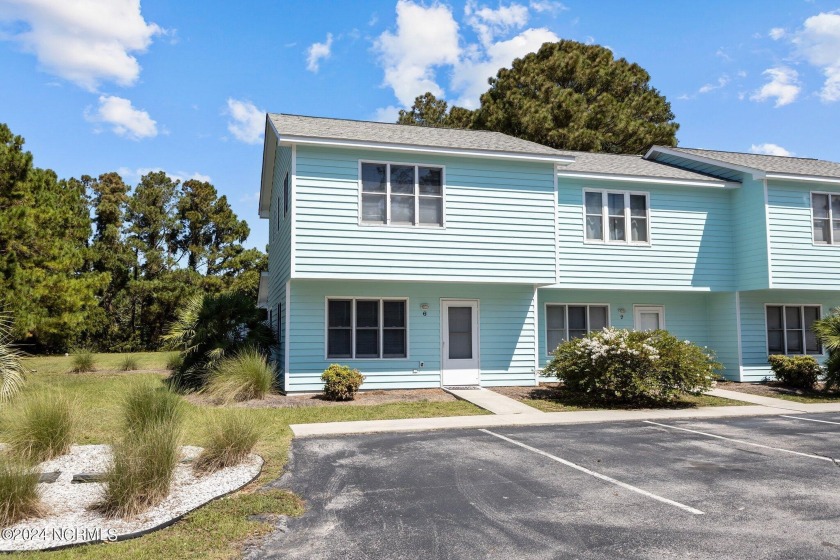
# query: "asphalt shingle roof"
770,164
365,131
587,162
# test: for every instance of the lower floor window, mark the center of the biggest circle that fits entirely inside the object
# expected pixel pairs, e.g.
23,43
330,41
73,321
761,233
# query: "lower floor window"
367,328
789,329
564,322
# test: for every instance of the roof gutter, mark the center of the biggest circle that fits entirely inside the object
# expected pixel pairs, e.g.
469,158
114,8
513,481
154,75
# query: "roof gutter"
803,178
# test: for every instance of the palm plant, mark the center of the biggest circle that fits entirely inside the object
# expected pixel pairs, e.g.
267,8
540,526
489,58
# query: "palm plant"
827,330
208,328
12,370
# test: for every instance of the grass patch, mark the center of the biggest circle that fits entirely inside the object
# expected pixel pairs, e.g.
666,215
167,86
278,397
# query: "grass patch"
242,377
149,405
146,361
19,498
560,399
218,530
41,427
809,397
777,390
174,361
230,438
84,361
129,363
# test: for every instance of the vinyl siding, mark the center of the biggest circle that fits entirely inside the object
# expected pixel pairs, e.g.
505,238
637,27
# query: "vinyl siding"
750,239
795,260
506,333
690,248
754,327
279,251
721,313
499,222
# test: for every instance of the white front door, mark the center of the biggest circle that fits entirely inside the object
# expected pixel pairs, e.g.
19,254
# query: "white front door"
649,317
459,342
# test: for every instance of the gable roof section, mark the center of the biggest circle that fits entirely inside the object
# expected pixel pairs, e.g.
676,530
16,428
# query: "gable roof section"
759,165
634,168
300,129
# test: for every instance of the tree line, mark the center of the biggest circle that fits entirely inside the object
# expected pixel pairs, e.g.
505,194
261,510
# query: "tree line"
93,262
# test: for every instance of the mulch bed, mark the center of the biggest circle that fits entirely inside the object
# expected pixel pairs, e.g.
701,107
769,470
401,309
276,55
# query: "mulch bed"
362,398
774,389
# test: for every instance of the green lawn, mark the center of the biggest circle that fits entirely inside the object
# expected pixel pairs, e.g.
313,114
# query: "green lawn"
146,361
219,529
563,401
809,397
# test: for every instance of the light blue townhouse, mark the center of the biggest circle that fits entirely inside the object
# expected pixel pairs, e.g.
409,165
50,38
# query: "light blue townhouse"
428,257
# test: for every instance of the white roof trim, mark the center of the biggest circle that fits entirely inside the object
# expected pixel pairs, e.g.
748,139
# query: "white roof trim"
425,149
267,179
804,178
756,173
712,183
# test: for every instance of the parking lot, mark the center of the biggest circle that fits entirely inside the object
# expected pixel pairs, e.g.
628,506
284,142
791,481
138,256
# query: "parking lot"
763,487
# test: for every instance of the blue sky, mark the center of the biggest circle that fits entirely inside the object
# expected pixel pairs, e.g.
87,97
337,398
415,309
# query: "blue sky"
104,85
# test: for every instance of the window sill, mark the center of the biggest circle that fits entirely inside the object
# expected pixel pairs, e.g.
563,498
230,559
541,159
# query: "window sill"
616,243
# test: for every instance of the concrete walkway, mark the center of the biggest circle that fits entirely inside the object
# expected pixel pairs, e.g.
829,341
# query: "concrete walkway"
515,413
492,401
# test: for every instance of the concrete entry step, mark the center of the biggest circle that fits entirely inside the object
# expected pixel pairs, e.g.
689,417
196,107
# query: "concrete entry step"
492,401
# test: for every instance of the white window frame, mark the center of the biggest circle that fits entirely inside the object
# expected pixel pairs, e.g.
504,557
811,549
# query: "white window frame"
639,309
802,307
605,226
546,305
832,241
417,196
381,301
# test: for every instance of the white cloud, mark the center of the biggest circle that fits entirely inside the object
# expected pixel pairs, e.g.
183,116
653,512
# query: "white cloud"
783,86
387,114
488,23
769,150
541,6
132,176
819,42
425,38
471,75
247,122
318,52
125,120
86,41
721,82
776,33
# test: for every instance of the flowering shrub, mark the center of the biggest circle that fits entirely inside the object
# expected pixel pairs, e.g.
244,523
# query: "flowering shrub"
622,365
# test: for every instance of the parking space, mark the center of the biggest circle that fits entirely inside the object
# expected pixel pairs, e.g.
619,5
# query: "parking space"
748,487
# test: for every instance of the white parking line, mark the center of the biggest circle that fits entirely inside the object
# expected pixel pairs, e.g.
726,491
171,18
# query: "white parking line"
821,458
597,475
810,419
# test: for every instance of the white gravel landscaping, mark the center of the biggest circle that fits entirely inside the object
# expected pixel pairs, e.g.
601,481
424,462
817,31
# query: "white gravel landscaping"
71,519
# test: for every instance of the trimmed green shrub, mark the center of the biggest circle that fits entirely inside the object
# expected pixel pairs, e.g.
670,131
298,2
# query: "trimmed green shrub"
341,382
41,427
230,438
83,361
141,472
19,498
801,372
129,363
146,406
619,365
244,376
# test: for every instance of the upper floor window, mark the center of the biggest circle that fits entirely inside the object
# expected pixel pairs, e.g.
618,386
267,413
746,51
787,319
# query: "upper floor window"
826,210
564,322
404,195
616,217
789,329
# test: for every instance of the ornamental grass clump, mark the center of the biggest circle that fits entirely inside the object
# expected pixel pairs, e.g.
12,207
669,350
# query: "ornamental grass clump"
619,365
19,497
145,458
83,361
12,371
244,376
230,438
129,363
40,427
